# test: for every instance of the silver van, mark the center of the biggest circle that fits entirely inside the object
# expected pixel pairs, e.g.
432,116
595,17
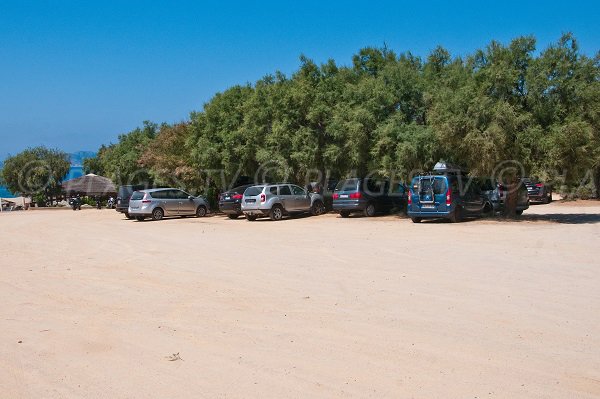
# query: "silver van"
277,200
159,202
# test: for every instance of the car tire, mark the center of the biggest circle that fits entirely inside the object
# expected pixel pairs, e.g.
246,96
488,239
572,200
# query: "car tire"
140,218
128,216
519,212
344,214
370,210
318,208
157,214
416,220
276,213
233,216
201,211
488,209
456,216
251,218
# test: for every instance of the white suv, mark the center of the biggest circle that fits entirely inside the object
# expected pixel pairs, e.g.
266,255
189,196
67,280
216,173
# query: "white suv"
277,200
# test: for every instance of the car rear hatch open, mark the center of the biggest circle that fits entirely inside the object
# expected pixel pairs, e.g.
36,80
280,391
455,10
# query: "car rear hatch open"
431,193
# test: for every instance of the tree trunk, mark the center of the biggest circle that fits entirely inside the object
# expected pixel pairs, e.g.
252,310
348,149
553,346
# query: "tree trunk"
596,179
510,201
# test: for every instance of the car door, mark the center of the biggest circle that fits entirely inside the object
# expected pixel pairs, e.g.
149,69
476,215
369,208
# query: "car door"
474,198
171,202
286,197
162,200
186,205
301,202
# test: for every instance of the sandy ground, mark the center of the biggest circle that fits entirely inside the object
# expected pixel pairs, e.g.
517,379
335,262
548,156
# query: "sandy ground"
93,305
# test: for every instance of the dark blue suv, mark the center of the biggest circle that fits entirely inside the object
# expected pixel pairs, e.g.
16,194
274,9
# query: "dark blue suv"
368,196
446,195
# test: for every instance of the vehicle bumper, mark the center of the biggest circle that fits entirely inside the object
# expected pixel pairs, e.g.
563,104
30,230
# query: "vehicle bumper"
349,206
140,212
230,208
121,209
537,197
425,214
256,212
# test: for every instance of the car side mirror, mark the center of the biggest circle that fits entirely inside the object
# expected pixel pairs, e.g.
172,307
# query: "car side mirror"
190,198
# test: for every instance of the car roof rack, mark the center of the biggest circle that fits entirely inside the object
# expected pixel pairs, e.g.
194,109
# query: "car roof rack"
444,167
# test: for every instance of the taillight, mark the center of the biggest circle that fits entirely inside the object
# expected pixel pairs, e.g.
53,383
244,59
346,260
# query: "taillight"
356,195
539,185
263,198
409,197
449,197
335,196
237,196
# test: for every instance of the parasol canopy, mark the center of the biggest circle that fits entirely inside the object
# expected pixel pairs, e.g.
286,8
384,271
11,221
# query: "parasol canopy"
90,185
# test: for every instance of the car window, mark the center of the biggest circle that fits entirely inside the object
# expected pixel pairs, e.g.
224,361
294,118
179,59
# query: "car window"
398,189
347,185
273,190
253,191
298,191
431,183
374,186
284,190
159,194
138,195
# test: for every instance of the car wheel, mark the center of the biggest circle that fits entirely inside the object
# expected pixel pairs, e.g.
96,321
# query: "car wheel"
233,216
318,208
128,216
201,211
416,220
251,218
456,216
276,212
488,209
157,214
140,218
519,212
370,210
344,214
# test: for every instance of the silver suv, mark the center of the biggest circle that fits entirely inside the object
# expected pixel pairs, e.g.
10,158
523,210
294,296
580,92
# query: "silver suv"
277,200
159,202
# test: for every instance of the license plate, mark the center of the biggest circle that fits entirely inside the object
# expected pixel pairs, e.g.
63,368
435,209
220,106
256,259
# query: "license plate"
250,200
344,195
227,198
427,206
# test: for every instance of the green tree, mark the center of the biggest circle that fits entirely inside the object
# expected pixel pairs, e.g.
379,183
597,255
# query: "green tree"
36,171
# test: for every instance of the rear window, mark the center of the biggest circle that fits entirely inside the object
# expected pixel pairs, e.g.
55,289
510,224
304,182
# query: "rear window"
437,184
253,191
347,185
136,196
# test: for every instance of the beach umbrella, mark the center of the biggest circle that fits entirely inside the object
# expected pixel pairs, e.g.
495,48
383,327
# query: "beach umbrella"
90,185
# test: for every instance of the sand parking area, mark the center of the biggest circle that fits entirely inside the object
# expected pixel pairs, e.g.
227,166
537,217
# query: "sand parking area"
95,306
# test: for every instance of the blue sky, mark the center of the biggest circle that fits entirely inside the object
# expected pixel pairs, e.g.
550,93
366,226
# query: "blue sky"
76,74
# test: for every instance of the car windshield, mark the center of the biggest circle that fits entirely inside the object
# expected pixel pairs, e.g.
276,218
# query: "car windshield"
435,184
138,195
253,191
347,185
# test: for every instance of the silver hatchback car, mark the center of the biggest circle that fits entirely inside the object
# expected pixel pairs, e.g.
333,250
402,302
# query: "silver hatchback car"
159,202
277,200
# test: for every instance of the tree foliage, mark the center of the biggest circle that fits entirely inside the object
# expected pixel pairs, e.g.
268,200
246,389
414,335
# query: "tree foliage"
386,113
36,171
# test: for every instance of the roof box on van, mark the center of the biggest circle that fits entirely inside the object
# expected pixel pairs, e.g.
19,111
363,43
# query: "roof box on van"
446,167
